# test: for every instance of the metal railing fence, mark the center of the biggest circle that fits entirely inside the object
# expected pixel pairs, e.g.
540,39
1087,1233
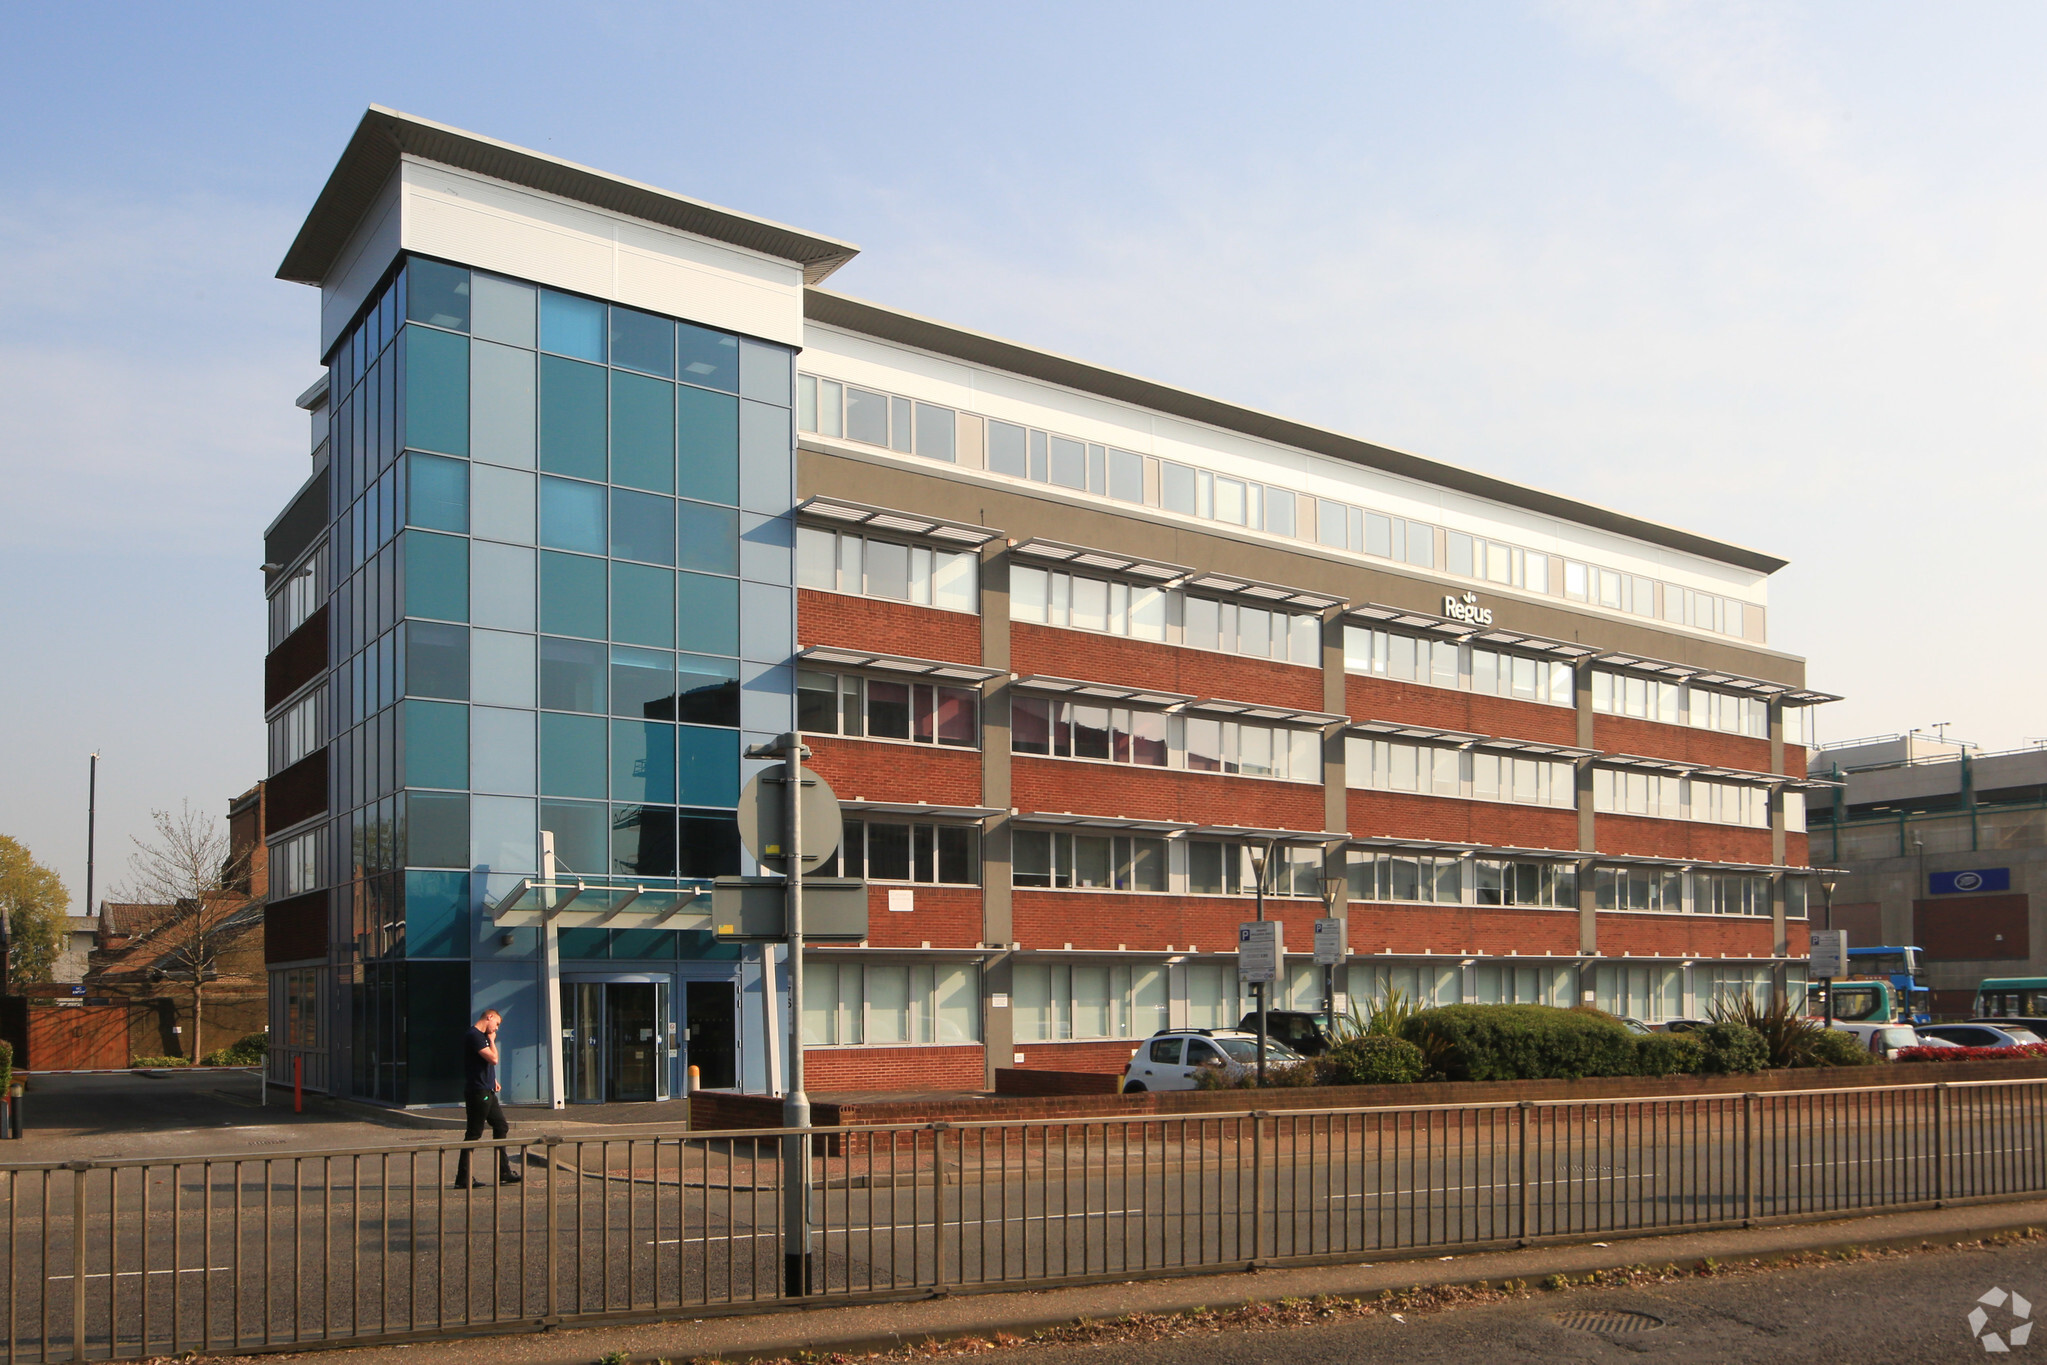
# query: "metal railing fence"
131,1258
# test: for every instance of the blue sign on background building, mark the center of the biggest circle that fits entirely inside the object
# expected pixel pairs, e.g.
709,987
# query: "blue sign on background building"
1962,883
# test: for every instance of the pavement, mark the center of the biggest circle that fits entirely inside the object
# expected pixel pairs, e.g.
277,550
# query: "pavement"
856,1329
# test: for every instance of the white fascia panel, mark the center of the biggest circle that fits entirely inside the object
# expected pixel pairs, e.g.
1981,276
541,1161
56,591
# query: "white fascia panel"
889,366
549,240
371,248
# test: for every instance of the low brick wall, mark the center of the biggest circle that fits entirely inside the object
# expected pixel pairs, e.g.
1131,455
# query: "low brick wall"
711,1112
1011,1081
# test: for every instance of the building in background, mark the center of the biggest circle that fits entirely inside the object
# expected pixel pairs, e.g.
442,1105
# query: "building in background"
1941,846
606,486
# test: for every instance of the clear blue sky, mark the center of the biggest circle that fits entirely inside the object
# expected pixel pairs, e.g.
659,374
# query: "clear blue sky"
1769,271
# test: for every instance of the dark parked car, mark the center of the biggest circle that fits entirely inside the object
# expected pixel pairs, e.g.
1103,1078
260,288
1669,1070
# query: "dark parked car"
1298,1029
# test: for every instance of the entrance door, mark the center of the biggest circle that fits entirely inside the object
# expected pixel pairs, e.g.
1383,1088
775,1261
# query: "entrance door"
630,1006
582,1041
713,1010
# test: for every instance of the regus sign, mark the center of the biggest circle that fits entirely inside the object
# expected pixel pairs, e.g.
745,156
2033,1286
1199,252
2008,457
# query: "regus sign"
1467,610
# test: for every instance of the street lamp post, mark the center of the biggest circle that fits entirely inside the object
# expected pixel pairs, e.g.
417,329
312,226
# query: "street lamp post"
1827,991
1259,857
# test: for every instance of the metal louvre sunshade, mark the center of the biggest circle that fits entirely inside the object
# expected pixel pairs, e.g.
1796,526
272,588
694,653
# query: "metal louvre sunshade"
1393,729
1247,710
1257,835
1707,677
604,902
1534,748
839,657
1067,819
1081,557
1420,620
845,512
1273,594
855,808
1074,687
1535,644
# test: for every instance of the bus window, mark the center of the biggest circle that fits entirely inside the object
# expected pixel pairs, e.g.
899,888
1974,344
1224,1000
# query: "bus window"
1857,1003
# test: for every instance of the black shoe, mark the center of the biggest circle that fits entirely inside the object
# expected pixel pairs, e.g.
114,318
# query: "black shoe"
509,1176
465,1183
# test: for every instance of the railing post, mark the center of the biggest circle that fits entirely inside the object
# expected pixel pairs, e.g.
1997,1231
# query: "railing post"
1257,1185
547,1144
1940,1092
938,1131
78,1170
1526,1107
1749,1102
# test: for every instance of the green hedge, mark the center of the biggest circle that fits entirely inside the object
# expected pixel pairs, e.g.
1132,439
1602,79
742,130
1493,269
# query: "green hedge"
1838,1047
245,1051
6,1066
156,1063
1668,1054
1732,1049
1372,1059
1521,1042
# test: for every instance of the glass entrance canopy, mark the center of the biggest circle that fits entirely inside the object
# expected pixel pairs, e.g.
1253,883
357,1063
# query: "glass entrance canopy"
604,902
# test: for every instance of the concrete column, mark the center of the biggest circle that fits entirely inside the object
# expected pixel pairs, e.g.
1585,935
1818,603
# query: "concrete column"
997,926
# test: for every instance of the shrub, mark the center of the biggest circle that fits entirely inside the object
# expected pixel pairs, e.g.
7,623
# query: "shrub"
1789,1035
1521,1042
1834,1047
6,1066
1970,1054
245,1051
1373,1059
1732,1049
1381,1018
1668,1054
156,1063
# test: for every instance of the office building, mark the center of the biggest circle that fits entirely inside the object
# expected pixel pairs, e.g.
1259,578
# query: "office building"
1940,846
607,485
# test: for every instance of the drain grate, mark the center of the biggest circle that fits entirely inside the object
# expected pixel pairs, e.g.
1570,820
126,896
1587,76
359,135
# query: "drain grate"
1607,1321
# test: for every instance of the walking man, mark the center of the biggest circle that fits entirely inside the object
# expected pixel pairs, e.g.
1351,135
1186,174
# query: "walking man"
480,1097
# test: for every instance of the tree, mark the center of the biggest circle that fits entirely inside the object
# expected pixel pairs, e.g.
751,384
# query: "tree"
189,866
34,901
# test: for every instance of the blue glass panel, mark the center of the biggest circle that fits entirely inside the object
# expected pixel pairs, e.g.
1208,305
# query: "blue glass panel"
436,744
436,914
643,683
643,761
706,845
707,429
642,432
707,538
642,341
571,674
580,844
643,527
641,944
709,613
706,690
707,357
437,493
572,756
571,326
707,766
437,294
643,605
572,595
572,418
436,576
436,391
643,841
572,515
436,661
584,945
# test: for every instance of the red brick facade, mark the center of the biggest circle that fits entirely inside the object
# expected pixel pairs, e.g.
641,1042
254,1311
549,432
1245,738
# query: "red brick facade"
1147,927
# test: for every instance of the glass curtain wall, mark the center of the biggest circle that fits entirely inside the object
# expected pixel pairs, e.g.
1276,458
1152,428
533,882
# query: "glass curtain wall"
562,566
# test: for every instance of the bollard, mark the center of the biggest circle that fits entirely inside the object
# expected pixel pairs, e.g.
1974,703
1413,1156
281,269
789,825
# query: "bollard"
14,1094
298,1085
696,1081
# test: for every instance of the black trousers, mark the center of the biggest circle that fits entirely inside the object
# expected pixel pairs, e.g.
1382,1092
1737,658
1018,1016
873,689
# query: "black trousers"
482,1107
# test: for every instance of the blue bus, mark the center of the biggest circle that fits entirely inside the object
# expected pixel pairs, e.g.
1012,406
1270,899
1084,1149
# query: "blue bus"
1901,967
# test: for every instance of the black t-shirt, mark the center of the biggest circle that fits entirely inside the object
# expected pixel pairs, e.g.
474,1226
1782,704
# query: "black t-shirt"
478,1071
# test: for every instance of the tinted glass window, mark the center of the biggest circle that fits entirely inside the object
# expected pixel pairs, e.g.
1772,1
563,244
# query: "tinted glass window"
708,612
707,538
642,604
642,432
572,515
707,427
707,690
706,357
437,294
436,660
643,683
572,595
572,675
643,527
571,326
707,846
572,418
572,755
1166,1051
641,341
707,766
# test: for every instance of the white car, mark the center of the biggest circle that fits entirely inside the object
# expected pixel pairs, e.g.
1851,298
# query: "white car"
1170,1059
1882,1039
